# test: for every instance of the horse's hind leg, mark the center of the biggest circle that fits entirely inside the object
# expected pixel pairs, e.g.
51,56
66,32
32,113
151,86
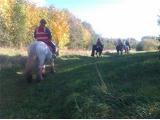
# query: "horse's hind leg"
118,52
29,78
40,68
96,54
28,71
92,53
121,52
52,66
39,74
100,54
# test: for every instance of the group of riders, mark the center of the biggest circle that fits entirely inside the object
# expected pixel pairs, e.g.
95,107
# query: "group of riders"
122,45
119,45
42,33
38,49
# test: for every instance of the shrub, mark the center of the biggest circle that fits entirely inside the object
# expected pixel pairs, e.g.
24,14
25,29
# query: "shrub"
147,45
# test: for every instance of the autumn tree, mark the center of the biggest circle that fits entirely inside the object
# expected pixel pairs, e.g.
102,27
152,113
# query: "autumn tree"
76,31
19,18
158,38
18,26
61,28
89,35
6,11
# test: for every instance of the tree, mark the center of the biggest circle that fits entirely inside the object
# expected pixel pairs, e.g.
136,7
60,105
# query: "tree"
75,29
148,43
158,38
18,26
19,18
82,34
58,23
89,35
6,11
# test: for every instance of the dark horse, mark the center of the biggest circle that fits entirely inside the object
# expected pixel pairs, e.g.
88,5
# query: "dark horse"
119,49
97,50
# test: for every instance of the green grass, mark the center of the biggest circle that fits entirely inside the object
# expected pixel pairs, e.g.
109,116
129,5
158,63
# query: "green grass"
83,87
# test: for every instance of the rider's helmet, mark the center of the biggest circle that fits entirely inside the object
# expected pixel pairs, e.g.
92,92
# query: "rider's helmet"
43,21
98,39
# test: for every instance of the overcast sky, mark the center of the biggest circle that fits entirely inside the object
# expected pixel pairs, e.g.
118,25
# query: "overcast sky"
114,18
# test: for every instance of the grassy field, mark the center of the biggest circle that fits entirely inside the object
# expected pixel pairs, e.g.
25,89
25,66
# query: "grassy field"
113,86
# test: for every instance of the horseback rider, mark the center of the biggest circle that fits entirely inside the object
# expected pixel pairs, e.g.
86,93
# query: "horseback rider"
42,33
98,47
119,42
119,46
99,43
127,44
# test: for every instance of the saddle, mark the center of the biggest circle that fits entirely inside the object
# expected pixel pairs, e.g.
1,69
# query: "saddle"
52,49
51,46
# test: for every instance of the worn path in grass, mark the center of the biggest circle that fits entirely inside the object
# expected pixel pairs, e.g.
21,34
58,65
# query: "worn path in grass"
83,87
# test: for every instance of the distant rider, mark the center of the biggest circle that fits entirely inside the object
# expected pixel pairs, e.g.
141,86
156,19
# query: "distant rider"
127,44
119,42
99,43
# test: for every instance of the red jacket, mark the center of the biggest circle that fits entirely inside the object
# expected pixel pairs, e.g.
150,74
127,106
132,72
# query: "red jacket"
42,34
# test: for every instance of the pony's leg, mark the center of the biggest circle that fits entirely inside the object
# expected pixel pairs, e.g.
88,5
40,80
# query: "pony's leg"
28,75
92,53
40,73
118,52
96,54
128,50
121,52
41,68
100,54
28,69
52,66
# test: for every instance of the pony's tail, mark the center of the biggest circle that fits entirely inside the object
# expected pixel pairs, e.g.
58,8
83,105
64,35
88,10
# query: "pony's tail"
29,67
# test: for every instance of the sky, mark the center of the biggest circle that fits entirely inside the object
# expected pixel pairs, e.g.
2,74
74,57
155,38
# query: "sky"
114,18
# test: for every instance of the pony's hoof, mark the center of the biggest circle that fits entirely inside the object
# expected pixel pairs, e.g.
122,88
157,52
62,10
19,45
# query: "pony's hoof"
29,81
40,79
53,71
29,78
43,75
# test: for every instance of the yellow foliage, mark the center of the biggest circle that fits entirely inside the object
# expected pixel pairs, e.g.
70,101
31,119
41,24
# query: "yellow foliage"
60,28
57,22
86,37
6,8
